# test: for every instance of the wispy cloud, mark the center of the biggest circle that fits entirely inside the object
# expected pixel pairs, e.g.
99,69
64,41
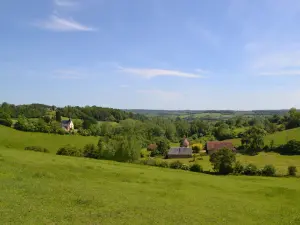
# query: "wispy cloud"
55,23
67,74
65,3
151,73
281,73
124,86
201,71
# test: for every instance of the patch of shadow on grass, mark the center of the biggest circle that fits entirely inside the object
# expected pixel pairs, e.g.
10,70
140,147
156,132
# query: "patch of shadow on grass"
42,174
90,167
280,191
80,201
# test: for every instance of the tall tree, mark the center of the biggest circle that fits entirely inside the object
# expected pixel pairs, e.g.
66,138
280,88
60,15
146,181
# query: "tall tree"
58,116
253,140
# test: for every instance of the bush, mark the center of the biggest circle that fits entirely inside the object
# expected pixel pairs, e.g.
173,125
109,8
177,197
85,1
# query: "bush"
268,170
223,161
185,167
37,149
196,168
176,164
250,170
238,168
91,151
292,147
151,162
292,170
197,148
145,153
163,164
69,150
6,122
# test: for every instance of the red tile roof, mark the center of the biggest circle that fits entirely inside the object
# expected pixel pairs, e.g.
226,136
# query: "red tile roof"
216,145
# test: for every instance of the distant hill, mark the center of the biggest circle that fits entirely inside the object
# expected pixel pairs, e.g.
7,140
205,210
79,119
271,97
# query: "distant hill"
279,138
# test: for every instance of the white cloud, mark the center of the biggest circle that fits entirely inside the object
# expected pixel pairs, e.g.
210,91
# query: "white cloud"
202,71
55,23
281,73
65,3
151,73
124,86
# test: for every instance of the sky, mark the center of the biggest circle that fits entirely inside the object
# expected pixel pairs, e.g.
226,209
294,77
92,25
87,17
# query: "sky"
151,54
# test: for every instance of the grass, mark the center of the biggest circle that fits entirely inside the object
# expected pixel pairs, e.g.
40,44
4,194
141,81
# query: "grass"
37,188
11,138
279,138
280,162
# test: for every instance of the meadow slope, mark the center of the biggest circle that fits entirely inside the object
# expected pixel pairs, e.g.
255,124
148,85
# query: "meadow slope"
279,138
37,188
11,138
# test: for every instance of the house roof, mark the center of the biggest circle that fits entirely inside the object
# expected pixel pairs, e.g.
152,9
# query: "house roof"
216,145
180,151
66,121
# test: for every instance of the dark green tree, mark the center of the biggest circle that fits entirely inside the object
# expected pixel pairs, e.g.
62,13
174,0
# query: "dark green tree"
223,161
58,116
253,140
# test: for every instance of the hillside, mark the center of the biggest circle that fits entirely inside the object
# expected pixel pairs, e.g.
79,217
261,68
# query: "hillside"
11,138
39,188
279,137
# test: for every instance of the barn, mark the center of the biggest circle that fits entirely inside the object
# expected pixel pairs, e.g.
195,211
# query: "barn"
213,146
180,152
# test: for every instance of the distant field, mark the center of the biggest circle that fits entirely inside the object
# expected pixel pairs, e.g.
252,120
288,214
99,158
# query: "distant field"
12,138
37,188
279,138
280,162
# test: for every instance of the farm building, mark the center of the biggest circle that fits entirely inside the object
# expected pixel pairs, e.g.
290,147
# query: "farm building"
213,146
67,125
180,152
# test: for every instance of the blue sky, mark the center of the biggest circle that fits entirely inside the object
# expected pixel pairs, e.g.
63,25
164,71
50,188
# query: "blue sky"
155,54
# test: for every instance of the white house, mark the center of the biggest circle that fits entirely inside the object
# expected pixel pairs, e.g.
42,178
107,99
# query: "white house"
67,125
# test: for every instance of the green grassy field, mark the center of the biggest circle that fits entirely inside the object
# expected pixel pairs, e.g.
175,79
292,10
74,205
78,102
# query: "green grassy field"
279,138
11,138
280,162
37,188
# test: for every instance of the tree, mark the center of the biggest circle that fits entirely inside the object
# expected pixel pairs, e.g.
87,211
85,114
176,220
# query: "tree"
58,116
163,145
223,161
223,132
253,140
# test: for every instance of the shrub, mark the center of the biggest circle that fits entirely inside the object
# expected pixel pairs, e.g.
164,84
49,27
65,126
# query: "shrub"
196,168
185,167
6,122
91,151
151,162
238,168
250,170
197,147
223,161
145,153
268,170
37,149
292,170
176,164
69,150
163,164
